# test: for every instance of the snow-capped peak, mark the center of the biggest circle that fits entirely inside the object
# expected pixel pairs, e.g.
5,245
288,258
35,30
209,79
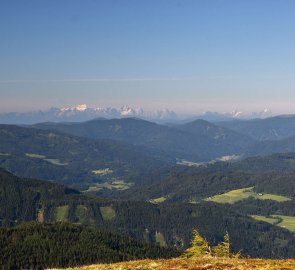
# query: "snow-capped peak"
236,114
81,107
263,114
128,111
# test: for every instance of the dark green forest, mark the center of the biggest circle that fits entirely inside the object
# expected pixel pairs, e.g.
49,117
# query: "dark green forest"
39,246
71,160
165,224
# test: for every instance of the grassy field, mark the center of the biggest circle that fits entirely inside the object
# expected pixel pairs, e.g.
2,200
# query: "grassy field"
189,163
32,155
158,200
56,162
270,220
197,264
286,222
81,213
61,213
118,185
108,213
244,193
160,239
53,161
102,171
5,154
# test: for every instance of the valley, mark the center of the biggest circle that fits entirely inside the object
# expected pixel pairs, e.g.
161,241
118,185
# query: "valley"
147,135
129,182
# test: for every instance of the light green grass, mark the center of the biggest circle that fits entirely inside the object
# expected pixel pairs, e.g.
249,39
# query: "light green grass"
160,239
158,200
118,185
189,163
81,213
287,222
236,195
198,164
270,219
61,213
105,171
56,162
273,197
228,158
5,154
108,213
53,161
32,155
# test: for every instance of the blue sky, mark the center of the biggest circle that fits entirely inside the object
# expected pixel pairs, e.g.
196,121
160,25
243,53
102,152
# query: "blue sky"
190,56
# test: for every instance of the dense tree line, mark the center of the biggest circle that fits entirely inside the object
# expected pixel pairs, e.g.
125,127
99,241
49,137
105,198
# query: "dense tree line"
35,246
274,174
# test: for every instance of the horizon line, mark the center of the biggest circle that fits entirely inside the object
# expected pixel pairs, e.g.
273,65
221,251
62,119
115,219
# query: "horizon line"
96,80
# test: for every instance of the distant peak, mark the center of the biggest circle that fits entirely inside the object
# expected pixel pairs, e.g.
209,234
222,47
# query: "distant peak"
128,111
81,108
236,114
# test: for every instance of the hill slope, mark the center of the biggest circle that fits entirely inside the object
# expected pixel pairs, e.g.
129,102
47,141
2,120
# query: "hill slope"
75,161
286,145
198,141
166,224
62,244
271,174
273,128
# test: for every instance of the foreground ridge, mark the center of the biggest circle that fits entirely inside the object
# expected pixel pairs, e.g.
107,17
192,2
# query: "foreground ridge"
203,263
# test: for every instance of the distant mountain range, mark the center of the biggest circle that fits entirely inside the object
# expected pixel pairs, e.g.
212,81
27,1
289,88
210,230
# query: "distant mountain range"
84,113
198,140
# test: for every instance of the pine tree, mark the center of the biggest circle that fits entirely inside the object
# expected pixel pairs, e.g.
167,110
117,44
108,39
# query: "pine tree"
222,249
199,246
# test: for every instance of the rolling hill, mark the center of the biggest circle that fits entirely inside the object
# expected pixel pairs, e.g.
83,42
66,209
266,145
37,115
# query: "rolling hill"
264,148
75,161
198,141
165,224
273,174
272,128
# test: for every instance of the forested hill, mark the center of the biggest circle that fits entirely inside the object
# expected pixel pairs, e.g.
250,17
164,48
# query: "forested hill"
198,141
39,246
165,224
78,162
272,128
270,174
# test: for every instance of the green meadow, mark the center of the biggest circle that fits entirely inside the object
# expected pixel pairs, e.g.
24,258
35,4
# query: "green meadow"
236,195
287,222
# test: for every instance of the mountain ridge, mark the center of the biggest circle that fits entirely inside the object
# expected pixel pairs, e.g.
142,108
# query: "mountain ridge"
176,141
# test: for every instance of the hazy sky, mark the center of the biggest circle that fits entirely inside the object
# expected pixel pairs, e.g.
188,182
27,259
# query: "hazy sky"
189,56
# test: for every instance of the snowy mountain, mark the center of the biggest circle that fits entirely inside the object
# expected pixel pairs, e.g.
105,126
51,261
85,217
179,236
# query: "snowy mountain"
235,114
82,112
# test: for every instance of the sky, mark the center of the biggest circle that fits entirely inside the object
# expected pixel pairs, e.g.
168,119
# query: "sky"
187,55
